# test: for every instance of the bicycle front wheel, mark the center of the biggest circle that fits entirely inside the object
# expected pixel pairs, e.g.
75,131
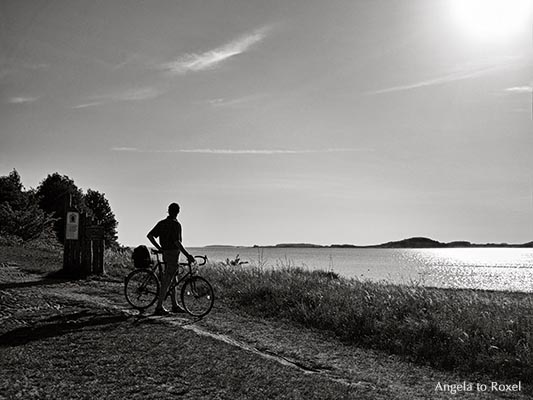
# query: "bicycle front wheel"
197,296
141,288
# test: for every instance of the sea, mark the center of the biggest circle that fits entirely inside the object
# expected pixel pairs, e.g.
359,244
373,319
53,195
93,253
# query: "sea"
501,269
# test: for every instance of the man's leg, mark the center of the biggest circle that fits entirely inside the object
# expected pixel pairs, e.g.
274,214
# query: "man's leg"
170,257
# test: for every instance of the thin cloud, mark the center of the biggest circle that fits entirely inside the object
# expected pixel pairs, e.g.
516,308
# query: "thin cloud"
22,100
243,101
137,94
243,152
267,151
147,93
520,89
90,104
453,77
210,59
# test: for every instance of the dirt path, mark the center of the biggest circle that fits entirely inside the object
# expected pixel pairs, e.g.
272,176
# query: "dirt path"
47,316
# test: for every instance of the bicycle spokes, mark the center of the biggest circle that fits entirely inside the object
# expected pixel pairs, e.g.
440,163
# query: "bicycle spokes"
141,289
197,296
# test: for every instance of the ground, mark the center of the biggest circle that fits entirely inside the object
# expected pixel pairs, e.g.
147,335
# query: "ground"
64,339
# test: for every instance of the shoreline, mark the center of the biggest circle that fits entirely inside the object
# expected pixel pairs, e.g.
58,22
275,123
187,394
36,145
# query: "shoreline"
410,243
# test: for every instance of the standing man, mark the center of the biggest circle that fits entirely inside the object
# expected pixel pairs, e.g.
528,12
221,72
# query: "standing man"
168,231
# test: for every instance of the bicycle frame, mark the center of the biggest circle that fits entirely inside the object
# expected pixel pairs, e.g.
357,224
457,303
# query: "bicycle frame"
176,282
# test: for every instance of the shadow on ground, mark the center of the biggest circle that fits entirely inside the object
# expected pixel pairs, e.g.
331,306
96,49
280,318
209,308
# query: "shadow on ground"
40,282
59,325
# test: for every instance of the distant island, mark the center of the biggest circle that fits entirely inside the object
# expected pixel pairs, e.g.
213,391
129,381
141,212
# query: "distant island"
411,243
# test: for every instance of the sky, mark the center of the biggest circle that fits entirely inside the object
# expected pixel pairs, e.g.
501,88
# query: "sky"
339,121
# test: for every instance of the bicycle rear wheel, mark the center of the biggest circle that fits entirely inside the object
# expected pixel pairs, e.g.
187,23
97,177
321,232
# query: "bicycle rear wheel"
197,296
141,288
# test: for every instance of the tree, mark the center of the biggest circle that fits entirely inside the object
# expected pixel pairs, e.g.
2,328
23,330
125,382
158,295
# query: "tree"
98,206
56,193
11,189
20,214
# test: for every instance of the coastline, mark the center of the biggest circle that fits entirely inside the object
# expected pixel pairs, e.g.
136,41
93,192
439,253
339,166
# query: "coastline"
410,243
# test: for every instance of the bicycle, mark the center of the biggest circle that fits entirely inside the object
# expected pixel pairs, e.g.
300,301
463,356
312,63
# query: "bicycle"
142,287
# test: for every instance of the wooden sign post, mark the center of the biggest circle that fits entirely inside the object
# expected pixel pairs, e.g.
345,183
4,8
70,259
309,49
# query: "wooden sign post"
84,246
94,236
71,249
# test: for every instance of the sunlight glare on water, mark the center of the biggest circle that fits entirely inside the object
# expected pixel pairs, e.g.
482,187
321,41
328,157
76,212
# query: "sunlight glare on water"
475,268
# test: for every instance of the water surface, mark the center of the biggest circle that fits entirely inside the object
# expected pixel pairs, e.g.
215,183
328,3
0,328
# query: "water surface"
474,268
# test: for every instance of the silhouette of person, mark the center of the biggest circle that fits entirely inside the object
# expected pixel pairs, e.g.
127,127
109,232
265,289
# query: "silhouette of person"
168,231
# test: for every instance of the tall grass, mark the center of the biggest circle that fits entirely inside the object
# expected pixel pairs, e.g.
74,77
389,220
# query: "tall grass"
469,331
118,262
475,332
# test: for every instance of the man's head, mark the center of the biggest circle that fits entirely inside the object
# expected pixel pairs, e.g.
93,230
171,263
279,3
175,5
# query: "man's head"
173,210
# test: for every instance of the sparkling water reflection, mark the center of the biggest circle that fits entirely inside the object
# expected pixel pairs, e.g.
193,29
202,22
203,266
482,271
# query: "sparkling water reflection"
480,268
475,268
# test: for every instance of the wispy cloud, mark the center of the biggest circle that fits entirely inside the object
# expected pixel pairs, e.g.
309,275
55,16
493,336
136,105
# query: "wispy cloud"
133,149
236,102
193,62
136,94
22,99
245,151
520,89
466,73
89,104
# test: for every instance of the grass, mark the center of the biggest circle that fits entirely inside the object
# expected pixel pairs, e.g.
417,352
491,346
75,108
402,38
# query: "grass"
473,332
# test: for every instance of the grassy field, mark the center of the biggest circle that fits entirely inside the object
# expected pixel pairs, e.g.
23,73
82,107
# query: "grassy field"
471,332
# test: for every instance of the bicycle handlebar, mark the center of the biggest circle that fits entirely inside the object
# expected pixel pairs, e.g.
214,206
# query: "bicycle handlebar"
202,259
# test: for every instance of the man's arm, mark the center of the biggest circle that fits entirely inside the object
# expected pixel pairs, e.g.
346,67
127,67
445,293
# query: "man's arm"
151,237
185,252
190,258
152,240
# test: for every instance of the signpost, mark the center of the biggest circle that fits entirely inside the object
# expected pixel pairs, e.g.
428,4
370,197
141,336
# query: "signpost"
84,245
73,225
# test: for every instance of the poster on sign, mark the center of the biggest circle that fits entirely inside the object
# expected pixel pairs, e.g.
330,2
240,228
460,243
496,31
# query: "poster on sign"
73,223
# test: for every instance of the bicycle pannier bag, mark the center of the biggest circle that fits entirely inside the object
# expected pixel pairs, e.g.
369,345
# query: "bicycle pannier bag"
141,257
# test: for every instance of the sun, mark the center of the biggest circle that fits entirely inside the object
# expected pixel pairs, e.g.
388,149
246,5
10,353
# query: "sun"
492,19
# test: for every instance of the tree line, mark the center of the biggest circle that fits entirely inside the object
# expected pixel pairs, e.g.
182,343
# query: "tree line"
32,213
